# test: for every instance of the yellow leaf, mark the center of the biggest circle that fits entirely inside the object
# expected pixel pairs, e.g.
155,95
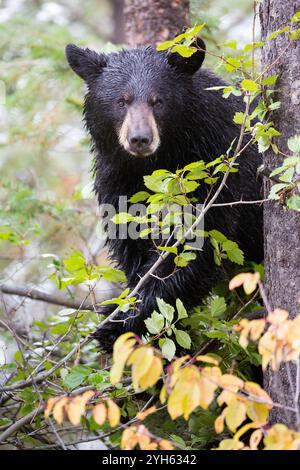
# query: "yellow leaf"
113,413
248,280
74,410
225,397
230,444
141,360
59,410
75,407
208,359
257,328
219,422
123,347
165,445
230,381
49,405
153,374
250,284
185,396
278,316
129,438
279,437
120,343
99,414
258,412
176,366
145,442
143,414
255,390
255,439
208,385
163,394
236,414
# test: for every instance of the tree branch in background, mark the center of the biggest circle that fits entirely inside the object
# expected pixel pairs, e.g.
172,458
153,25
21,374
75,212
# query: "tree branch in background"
36,294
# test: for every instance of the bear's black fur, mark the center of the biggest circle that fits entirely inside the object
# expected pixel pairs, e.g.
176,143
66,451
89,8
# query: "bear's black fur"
194,124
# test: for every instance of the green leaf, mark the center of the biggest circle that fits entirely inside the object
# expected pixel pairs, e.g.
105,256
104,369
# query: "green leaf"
296,17
122,218
183,259
168,348
233,252
183,338
112,274
287,176
18,356
249,85
218,306
170,249
216,334
231,44
165,309
238,118
254,45
218,236
138,197
59,329
77,376
165,45
294,203
274,105
278,31
184,51
195,165
275,189
181,311
75,262
155,323
270,81
294,144
5,421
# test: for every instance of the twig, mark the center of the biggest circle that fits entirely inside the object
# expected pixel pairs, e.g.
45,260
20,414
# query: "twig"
44,375
21,422
36,294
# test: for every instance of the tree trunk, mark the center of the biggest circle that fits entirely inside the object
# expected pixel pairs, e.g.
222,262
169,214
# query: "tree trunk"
118,14
154,21
281,226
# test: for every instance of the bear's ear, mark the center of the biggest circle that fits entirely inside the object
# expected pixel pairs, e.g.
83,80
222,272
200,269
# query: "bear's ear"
189,65
84,62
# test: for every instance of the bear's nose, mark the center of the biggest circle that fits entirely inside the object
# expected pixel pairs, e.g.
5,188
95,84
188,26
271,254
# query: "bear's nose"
140,141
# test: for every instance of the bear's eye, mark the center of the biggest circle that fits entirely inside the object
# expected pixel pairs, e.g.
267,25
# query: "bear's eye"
122,103
155,102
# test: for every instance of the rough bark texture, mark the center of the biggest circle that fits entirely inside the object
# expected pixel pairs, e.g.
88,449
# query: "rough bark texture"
119,27
154,21
282,227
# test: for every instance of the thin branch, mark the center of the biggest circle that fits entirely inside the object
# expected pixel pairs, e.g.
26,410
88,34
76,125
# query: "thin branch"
44,375
20,423
36,294
235,203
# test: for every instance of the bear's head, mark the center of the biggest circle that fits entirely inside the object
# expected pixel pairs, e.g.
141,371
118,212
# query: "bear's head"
135,96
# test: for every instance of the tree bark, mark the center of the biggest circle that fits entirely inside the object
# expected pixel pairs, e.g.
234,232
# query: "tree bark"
281,226
119,26
154,21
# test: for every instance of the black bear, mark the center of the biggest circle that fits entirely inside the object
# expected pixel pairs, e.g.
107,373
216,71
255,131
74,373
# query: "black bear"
148,110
